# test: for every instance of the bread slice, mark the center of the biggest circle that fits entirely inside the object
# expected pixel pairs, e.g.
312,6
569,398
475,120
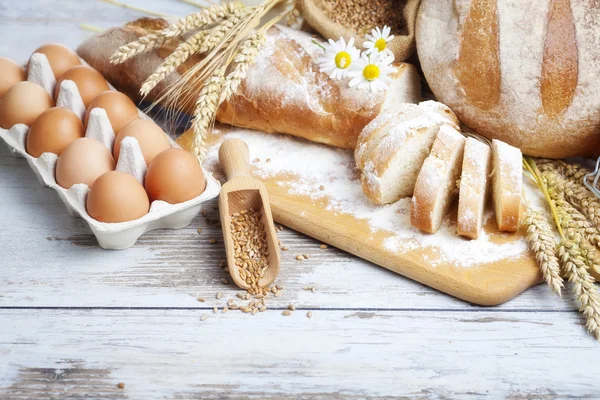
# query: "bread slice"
474,187
507,185
436,184
392,148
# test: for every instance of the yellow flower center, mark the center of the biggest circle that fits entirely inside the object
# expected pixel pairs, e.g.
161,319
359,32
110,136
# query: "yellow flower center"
371,72
343,59
380,44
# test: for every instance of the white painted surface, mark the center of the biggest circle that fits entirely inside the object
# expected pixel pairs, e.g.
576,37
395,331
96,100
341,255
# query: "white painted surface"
75,319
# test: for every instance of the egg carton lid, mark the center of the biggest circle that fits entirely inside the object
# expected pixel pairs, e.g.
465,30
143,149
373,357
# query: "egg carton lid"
131,159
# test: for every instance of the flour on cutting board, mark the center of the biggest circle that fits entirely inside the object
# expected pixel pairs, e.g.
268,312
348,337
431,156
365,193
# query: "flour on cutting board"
327,173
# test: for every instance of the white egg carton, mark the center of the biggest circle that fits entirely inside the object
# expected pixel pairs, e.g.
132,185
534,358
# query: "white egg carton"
115,236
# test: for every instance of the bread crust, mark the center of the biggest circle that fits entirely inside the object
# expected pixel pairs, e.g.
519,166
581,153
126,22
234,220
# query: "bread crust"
285,91
547,58
386,135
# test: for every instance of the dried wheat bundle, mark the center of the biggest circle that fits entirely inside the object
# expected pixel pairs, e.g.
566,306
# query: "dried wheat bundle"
578,252
228,36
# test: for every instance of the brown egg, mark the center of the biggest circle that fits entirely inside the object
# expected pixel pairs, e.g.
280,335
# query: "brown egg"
60,57
119,107
83,161
89,82
10,73
117,197
174,176
53,131
23,103
151,137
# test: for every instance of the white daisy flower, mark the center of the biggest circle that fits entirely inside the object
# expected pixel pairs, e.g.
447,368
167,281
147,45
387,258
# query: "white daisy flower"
338,58
372,71
377,41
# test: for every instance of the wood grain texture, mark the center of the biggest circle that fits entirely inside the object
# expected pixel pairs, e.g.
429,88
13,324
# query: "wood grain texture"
487,283
560,64
333,355
478,65
242,193
75,320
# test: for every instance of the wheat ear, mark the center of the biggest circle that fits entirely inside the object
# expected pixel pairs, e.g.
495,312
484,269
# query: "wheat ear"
157,40
201,18
540,238
575,270
142,45
173,61
245,57
204,113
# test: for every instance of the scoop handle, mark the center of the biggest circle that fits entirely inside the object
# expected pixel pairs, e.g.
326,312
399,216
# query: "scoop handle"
234,157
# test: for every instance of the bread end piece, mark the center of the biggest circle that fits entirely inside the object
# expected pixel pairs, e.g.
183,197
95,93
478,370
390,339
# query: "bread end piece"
391,149
507,185
435,188
474,188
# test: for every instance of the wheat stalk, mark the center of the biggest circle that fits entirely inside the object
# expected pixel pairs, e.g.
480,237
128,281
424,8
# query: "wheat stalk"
244,59
540,238
575,270
574,259
206,108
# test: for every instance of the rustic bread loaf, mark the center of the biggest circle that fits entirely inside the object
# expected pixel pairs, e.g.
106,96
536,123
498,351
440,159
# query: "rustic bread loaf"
391,149
285,91
474,188
524,72
436,185
507,178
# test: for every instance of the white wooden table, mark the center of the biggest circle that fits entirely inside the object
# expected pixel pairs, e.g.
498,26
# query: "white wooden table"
75,320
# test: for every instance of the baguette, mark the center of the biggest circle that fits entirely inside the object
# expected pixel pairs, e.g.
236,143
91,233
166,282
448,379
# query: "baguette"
474,187
284,91
436,187
508,185
392,148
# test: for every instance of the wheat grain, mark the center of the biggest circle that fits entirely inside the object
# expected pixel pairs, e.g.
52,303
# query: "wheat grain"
202,18
206,107
575,270
541,241
142,45
173,61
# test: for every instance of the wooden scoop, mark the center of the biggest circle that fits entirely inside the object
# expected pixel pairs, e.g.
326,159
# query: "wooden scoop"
242,192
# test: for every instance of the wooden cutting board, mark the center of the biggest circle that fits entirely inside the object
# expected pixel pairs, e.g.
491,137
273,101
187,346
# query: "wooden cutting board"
436,260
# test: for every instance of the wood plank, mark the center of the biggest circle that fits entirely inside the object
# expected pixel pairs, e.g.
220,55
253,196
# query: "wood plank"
52,259
336,354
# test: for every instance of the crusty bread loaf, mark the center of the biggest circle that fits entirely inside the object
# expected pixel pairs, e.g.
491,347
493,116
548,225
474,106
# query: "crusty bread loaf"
507,185
524,72
284,91
474,188
436,185
392,148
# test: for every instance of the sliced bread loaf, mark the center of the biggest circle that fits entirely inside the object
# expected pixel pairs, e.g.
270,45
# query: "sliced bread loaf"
436,187
474,187
507,178
391,149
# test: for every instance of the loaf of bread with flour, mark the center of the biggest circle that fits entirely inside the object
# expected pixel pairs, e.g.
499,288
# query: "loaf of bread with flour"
284,91
474,187
436,186
507,185
391,149
524,72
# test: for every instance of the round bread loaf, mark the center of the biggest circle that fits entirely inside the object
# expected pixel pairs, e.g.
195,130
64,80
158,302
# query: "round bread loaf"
524,72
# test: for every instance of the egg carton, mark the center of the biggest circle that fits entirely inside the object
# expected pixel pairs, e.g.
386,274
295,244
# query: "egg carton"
115,236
